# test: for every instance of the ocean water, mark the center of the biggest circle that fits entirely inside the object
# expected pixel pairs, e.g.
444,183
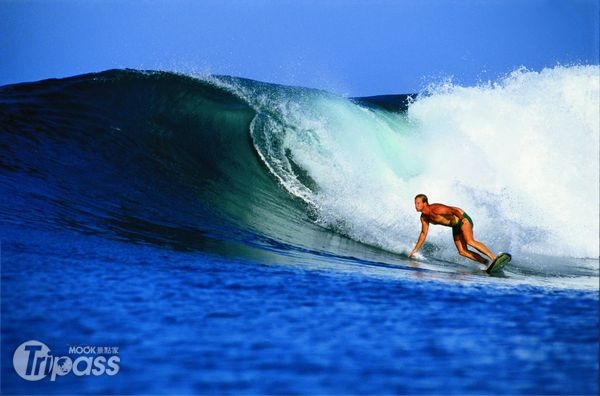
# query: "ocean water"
225,236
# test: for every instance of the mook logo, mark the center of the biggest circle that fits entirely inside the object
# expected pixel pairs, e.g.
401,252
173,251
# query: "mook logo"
33,361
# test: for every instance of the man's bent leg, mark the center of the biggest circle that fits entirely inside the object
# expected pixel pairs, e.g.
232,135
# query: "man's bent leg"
461,246
467,234
483,249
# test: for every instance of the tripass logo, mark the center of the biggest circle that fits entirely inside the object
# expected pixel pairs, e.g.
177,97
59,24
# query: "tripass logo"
33,361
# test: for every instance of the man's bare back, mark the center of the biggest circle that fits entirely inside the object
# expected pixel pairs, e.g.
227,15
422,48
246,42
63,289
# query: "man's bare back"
442,214
450,216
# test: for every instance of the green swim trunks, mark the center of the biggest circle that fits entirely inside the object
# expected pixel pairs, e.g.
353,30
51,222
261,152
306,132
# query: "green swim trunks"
456,227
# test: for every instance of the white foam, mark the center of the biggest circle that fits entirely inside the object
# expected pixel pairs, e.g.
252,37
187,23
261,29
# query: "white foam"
523,153
520,156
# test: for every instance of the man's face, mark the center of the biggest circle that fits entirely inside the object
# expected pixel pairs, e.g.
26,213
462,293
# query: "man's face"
419,204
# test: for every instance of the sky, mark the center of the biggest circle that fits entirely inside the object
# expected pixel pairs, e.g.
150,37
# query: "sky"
354,48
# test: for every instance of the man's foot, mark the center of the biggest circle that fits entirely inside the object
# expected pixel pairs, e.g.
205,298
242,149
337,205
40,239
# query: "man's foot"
501,254
488,263
491,263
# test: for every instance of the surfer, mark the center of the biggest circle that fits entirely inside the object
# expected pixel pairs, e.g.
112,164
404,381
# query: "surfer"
462,228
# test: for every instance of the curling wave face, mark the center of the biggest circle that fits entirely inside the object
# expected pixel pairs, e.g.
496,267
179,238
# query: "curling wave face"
521,155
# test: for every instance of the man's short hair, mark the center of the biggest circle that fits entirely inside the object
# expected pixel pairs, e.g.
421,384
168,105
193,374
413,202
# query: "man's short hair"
423,198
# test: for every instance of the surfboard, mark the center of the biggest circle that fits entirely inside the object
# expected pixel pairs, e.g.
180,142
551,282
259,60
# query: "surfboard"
499,263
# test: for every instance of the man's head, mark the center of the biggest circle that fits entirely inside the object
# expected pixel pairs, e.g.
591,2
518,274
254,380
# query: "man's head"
420,202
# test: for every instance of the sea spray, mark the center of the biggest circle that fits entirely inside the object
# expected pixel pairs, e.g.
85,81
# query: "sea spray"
520,155
522,152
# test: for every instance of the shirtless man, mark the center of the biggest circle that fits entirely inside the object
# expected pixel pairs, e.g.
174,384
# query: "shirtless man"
462,228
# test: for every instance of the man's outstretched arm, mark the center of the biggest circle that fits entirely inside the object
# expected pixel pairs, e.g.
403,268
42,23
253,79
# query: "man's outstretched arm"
422,236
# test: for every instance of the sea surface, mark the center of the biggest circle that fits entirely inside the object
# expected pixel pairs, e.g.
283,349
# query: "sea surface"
218,235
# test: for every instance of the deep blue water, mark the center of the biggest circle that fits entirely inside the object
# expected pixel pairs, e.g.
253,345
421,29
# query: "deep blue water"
198,323
135,214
